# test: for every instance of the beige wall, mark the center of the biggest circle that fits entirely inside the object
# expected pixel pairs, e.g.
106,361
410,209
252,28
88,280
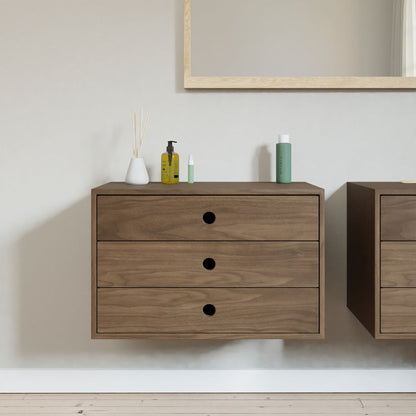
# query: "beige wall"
70,71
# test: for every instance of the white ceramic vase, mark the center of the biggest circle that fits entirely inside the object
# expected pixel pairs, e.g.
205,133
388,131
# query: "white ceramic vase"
137,173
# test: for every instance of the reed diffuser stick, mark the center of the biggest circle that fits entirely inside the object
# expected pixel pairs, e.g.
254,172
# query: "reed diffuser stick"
139,150
137,146
134,131
142,131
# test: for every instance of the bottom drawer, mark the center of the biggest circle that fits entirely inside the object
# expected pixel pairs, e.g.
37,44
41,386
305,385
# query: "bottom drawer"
210,311
398,310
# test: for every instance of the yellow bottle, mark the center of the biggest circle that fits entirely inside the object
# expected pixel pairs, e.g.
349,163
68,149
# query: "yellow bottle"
170,165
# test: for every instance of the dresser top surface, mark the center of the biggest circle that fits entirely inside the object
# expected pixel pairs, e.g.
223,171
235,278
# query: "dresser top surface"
209,188
389,187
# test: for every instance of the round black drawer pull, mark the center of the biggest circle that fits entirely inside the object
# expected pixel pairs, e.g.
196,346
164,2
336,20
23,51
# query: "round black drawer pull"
209,217
209,263
209,309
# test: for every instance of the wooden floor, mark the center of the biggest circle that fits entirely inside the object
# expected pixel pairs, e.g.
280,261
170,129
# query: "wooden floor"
208,404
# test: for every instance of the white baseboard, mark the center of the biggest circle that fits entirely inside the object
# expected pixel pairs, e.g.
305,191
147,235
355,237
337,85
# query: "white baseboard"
205,381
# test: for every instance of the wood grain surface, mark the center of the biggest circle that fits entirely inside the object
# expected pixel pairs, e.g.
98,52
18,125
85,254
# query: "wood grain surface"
389,188
381,257
238,264
263,82
398,217
150,242
398,264
93,263
398,311
321,257
179,310
213,404
187,39
181,218
362,288
209,188
301,83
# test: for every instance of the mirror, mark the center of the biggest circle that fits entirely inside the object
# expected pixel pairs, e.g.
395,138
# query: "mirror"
363,44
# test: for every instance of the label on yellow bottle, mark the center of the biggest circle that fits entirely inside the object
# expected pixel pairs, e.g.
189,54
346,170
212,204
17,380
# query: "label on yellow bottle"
170,171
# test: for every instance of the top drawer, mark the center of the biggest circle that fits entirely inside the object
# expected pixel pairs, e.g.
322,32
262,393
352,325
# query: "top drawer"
207,217
398,217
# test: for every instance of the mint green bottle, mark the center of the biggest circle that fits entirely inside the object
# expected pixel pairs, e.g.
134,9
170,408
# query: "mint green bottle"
190,169
284,159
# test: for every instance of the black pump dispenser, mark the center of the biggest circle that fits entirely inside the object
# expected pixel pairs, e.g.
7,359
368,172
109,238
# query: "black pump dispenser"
170,150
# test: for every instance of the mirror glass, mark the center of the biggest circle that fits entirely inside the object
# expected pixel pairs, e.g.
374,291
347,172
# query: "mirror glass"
303,38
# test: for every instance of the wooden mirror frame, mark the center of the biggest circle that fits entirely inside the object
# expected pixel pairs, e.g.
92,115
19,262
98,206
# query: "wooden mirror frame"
303,83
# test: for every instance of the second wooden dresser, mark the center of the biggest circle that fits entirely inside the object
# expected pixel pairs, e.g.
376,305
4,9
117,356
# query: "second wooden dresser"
208,260
382,257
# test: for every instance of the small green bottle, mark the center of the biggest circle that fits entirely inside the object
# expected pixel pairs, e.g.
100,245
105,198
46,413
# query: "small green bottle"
190,169
284,159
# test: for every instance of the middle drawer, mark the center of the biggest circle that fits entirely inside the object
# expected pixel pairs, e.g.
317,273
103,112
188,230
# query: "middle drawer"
398,264
208,264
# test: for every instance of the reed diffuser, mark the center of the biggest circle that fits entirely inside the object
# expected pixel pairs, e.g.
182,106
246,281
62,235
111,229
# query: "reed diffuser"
137,173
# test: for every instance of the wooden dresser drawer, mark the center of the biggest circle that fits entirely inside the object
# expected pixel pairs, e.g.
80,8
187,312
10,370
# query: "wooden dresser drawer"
208,217
201,311
398,310
398,264
208,264
398,217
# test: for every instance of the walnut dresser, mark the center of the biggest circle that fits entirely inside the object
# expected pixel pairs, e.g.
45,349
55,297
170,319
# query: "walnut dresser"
208,261
382,257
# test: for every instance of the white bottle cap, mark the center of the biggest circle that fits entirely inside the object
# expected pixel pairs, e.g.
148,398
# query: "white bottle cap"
284,138
190,160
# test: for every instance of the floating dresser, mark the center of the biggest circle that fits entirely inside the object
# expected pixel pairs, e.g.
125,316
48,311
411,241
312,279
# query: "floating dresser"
382,257
208,261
